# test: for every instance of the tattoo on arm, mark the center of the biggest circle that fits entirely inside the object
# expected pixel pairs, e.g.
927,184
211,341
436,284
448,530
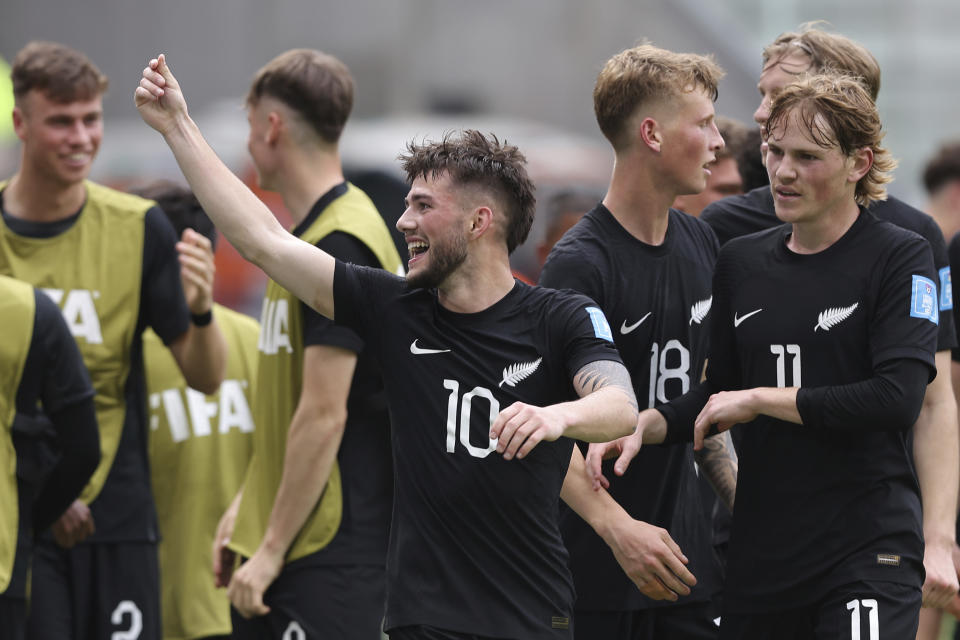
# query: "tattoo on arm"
604,373
718,459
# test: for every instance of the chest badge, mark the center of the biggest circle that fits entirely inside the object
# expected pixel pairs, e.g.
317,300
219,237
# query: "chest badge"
833,316
518,371
700,310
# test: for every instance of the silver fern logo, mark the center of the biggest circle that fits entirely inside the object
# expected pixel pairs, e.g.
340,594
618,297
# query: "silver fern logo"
518,371
833,316
700,310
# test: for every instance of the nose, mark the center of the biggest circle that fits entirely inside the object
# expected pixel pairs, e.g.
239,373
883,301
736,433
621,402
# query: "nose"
718,142
784,170
405,222
79,135
762,113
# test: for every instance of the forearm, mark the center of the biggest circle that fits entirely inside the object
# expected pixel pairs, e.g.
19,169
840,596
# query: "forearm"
888,401
203,357
718,462
935,451
79,440
312,445
604,415
597,508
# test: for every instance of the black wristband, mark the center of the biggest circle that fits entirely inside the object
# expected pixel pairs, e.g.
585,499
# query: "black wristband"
201,319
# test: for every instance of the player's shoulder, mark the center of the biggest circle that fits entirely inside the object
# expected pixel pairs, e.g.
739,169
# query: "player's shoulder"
906,216
547,301
757,201
692,228
115,201
588,234
753,244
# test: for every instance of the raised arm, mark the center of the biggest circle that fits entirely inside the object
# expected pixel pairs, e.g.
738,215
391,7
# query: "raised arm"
247,223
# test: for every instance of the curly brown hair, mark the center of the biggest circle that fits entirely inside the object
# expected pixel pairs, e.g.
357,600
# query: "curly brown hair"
471,158
837,112
645,72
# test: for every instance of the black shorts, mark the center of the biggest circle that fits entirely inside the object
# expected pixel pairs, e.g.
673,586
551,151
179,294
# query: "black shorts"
676,622
102,590
858,611
13,618
317,602
423,632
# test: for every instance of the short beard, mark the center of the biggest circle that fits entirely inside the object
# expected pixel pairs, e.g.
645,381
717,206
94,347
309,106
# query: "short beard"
444,260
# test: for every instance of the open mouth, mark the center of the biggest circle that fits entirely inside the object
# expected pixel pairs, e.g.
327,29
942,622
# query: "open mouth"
786,193
416,249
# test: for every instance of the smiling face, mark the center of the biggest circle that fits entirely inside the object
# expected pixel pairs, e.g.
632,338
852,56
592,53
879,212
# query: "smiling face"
435,228
810,183
60,140
690,141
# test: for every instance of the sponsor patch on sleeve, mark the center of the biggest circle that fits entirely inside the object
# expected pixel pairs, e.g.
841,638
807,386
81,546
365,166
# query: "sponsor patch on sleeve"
923,300
946,289
601,328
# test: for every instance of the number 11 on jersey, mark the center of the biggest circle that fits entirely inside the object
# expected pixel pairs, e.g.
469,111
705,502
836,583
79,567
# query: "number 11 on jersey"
782,351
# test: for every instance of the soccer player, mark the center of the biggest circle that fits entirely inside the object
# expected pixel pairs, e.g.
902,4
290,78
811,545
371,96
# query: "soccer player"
724,177
812,50
39,366
110,261
649,269
483,376
199,444
822,344
314,514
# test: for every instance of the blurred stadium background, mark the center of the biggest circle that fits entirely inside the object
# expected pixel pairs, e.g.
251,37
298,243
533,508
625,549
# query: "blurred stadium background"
524,70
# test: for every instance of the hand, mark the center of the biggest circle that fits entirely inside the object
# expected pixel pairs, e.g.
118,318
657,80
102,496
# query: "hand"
520,427
625,448
158,97
225,559
74,525
940,585
724,410
196,270
251,581
650,557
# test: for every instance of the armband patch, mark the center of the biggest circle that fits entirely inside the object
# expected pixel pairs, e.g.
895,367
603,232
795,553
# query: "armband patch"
946,289
601,328
923,300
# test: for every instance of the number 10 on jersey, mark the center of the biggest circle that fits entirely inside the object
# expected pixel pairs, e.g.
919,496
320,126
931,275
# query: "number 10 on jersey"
464,422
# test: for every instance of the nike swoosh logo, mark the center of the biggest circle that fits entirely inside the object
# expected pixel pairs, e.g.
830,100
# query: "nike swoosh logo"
737,321
419,351
627,328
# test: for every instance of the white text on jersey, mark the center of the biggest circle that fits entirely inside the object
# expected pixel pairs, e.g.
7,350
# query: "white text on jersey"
232,409
79,312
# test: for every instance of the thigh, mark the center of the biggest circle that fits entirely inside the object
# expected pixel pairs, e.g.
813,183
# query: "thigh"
126,581
55,609
794,624
685,622
13,617
609,625
869,611
320,603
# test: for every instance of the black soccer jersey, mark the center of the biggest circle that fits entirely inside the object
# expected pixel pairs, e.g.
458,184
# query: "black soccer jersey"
750,212
474,544
658,299
816,507
953,252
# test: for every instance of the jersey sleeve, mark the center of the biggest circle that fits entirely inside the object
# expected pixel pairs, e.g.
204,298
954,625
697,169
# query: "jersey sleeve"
905,321
162,303
566,270
319,330
582,333
947,334
953,253
362,297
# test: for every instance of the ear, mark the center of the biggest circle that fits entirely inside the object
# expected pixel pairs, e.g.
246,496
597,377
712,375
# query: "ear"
19,123
862,161
481,219
650,134
274,127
